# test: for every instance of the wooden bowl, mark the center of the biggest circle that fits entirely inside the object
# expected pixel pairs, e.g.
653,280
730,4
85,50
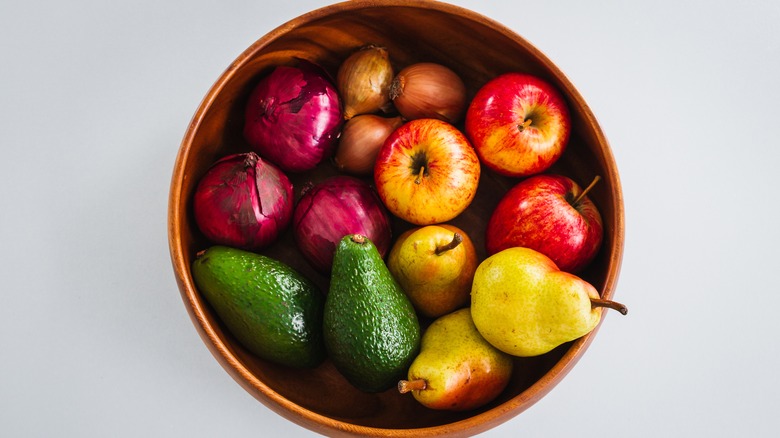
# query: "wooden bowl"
478,49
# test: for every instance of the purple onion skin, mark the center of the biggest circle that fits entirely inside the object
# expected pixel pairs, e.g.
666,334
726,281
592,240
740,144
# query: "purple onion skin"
334,208
293,117
244,202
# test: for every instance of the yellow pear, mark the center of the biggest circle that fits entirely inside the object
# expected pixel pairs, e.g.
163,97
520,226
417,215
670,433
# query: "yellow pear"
457,369
435,266
525,306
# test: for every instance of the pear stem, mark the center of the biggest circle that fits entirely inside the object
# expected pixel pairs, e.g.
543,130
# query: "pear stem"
420,175
405,386
456,240
614,305
587,189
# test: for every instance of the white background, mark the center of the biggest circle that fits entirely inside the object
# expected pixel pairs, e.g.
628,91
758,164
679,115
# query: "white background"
95,98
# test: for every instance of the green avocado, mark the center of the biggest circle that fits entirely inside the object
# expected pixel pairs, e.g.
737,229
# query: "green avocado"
370,328
271,309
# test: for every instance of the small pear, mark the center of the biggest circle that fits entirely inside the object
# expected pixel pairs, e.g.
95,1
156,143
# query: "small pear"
525,306
457,369
435,267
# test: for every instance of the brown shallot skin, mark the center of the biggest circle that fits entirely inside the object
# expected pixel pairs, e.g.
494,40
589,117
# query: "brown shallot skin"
360,141
364,80
429,90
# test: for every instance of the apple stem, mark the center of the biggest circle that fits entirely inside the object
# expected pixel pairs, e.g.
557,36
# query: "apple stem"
614,305
587,189
420,175
526,123
456,240
405,386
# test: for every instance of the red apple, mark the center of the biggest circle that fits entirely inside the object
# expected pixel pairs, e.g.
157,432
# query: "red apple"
426,172
550,214
519,124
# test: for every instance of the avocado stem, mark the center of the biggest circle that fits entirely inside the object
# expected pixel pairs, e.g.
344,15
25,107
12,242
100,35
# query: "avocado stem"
456,240
419,178
585,192
358,238
614,305
405,386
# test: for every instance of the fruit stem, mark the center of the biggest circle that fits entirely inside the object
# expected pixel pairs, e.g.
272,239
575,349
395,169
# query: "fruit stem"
587,189
358,238
614,305
526,123
405,386
418,180
456,240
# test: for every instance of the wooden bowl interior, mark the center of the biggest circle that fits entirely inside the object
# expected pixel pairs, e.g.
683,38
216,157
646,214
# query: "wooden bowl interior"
478,49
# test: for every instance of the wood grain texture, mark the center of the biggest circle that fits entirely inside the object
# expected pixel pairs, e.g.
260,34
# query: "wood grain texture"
477,48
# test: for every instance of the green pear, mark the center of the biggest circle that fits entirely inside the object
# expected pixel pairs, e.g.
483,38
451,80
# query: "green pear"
525,306
457,369
435,267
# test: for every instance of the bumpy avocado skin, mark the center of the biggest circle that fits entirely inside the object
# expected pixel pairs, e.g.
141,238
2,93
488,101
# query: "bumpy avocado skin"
271,309
371,331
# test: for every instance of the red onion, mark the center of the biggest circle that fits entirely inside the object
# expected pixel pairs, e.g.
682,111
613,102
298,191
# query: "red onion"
293,117
243,201
330,210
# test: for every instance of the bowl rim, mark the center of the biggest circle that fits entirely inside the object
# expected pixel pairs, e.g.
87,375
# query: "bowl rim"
312,420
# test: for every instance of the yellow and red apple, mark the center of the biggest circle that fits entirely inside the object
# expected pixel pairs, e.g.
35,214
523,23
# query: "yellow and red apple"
519,124
550,214
426,172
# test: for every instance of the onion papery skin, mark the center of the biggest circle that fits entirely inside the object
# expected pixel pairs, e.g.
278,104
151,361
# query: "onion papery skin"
334,208
293,117
429,90
364,80
360,141
243,201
